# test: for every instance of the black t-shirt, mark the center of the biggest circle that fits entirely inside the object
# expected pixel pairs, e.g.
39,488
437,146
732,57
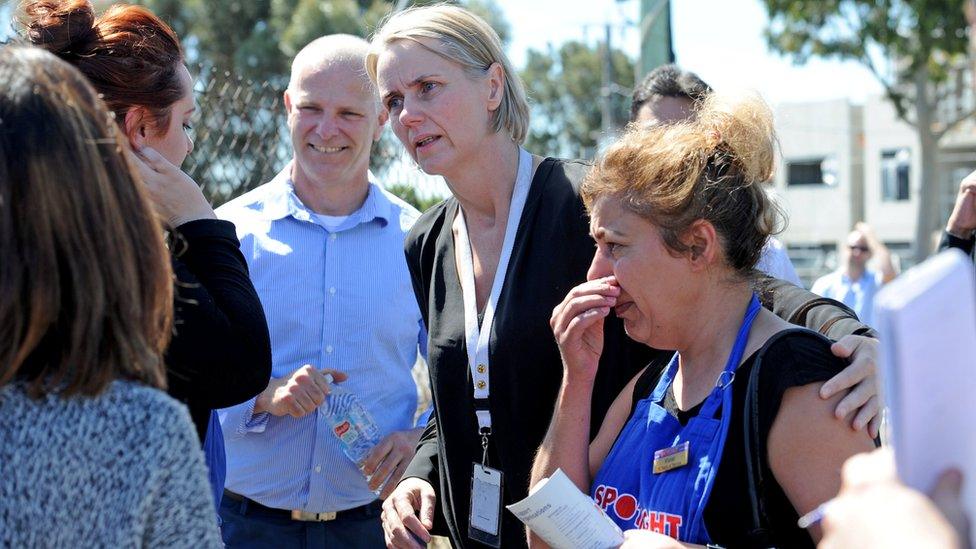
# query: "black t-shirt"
793,360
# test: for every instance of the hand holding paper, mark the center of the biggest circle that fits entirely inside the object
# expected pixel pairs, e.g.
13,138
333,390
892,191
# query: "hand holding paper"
566,518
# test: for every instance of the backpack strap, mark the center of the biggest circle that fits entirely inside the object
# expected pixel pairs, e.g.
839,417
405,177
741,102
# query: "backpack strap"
756,457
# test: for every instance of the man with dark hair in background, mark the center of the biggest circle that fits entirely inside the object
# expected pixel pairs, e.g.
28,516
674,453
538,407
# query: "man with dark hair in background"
667,95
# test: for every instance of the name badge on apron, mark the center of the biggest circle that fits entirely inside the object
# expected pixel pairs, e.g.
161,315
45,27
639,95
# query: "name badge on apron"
667,459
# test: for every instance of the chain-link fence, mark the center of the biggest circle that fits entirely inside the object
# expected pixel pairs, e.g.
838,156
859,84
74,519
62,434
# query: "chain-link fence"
241,140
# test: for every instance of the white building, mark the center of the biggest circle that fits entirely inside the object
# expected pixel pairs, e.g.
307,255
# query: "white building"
842,163
819,179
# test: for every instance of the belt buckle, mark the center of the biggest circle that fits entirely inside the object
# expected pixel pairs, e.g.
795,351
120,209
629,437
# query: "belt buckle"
313,517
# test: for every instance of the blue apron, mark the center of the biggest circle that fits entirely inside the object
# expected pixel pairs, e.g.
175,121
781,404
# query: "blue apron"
671,502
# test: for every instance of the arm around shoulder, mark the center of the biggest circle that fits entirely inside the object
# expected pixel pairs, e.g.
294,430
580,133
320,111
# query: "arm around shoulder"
804,308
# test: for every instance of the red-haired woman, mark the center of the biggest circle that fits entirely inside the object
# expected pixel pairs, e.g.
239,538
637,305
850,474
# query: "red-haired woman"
220,354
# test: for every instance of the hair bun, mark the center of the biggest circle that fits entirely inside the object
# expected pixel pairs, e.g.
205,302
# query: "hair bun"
61,27
743,122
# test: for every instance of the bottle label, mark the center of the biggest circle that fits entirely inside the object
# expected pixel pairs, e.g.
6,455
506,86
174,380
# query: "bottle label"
345,432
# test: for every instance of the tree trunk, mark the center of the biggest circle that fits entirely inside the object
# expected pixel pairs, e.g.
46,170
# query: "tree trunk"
928,194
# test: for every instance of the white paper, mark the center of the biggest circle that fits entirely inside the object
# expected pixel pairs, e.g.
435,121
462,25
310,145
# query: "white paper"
927,322
566,518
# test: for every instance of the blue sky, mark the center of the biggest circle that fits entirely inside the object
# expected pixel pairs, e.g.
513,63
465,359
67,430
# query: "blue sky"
721,40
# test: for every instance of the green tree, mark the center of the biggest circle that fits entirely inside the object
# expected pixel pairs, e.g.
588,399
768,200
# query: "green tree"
564,88
242,50
256,39
911,46
409,194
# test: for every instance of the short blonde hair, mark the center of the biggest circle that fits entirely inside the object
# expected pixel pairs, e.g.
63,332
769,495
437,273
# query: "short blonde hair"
465,39
713,168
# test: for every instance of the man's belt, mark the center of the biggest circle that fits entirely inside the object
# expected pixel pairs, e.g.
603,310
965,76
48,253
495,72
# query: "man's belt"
305,516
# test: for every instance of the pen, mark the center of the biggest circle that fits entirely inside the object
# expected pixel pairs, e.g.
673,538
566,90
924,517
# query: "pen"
815,516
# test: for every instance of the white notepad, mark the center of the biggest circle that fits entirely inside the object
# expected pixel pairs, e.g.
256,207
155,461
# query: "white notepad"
927,322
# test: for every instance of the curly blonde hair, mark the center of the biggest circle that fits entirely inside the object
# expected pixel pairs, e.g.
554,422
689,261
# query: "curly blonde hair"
713,168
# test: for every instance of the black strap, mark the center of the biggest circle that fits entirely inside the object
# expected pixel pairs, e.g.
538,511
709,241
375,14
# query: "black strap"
755,453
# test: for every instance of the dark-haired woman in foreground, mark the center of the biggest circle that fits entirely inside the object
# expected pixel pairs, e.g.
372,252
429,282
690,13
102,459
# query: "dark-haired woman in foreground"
92,454
680,217
220,354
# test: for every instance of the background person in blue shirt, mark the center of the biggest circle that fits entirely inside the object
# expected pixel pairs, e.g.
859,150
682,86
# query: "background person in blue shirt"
324,247
855,284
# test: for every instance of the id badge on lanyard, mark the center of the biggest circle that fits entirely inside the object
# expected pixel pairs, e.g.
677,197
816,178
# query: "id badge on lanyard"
485,516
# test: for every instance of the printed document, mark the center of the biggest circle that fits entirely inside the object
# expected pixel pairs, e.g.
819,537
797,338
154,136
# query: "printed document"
566,518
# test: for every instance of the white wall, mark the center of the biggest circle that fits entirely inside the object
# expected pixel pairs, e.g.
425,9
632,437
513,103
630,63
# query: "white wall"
893,221
818,214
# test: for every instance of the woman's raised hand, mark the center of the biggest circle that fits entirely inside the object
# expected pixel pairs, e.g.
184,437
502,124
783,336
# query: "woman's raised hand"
175,195
577,323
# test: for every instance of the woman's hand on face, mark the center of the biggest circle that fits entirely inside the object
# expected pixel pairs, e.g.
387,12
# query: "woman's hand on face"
577,323
175,195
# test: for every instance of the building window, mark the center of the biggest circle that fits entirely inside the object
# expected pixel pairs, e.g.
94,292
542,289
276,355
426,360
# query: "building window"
896,168
805,172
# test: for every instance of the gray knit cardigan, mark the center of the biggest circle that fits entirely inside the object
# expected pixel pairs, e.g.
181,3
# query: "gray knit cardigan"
123,469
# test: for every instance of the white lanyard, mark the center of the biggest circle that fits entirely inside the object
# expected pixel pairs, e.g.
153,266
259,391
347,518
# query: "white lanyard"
477,338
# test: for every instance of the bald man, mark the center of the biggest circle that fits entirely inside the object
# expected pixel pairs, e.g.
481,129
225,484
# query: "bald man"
324,246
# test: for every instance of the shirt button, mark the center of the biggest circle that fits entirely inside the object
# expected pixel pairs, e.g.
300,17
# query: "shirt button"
481,368
332,290
329,349
318,468
332,236
482,384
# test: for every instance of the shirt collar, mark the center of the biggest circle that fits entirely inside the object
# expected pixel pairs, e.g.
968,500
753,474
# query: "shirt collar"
282,202
867,277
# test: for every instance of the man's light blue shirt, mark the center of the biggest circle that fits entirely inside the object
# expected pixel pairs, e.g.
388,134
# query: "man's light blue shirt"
858,295
341,299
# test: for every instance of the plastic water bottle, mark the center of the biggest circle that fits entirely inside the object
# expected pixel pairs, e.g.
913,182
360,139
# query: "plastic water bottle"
351,422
